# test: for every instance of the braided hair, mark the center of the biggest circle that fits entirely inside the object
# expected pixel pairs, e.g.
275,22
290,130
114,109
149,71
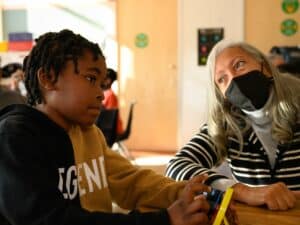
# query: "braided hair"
51,52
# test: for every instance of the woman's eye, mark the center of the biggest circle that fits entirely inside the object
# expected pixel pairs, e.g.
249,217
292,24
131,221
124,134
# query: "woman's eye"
239,64
221,79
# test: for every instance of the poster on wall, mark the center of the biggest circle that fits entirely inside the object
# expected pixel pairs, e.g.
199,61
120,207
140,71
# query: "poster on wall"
207,38
141,40
289,27
289,6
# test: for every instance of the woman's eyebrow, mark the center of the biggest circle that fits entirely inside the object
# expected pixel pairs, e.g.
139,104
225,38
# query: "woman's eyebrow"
236,58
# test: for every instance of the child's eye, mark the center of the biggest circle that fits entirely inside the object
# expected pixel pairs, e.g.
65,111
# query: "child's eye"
92,79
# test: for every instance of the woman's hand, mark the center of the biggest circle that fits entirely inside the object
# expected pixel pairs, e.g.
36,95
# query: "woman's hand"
297,194
275,196
191,208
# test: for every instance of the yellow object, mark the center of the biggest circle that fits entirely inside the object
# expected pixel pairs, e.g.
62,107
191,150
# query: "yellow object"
3,46
223,207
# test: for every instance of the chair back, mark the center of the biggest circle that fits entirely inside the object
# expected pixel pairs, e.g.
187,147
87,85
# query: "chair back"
107,122
125,135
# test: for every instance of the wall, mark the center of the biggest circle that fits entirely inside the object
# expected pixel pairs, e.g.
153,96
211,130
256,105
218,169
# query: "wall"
1,27
95,20
14,20
194,14
263,19
149,75
164,78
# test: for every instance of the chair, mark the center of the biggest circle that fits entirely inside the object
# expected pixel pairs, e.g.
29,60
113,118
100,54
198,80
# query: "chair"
125,135
119,146
107,122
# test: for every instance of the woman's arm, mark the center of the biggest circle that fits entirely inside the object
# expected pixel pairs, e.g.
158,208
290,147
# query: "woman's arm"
198,156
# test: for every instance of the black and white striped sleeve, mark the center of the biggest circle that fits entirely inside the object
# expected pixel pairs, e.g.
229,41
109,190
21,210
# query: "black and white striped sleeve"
198,156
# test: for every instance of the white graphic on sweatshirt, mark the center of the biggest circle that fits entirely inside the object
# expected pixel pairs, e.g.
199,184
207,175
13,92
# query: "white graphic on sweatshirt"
70,179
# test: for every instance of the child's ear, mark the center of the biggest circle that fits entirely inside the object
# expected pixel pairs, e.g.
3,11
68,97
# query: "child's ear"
46,80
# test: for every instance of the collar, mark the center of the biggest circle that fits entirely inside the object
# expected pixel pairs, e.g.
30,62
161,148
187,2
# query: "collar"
261,116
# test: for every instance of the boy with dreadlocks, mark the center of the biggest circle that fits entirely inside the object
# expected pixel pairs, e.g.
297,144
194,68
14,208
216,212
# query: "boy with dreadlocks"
55,167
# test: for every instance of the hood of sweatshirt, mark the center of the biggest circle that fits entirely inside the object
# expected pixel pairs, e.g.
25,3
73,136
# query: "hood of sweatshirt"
18,113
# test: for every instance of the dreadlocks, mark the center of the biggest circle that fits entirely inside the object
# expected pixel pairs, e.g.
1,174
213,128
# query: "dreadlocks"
51,52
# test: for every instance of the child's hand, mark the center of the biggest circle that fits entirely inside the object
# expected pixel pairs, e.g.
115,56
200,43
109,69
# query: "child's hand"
189,209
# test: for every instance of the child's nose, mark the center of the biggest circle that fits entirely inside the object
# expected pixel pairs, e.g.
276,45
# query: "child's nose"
100,95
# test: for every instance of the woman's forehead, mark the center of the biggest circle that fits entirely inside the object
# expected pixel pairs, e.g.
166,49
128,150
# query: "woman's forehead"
228,55
232,52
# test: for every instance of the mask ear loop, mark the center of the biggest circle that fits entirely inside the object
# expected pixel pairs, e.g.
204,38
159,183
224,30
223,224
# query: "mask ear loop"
262,68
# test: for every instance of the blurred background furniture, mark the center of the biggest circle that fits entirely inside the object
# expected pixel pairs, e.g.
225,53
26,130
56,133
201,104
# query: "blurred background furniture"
119,145
107,122
286,59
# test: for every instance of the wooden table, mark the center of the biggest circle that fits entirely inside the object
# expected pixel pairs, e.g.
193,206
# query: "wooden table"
261,216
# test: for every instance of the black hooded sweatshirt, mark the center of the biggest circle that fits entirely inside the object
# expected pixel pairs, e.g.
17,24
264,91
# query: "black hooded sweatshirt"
32,147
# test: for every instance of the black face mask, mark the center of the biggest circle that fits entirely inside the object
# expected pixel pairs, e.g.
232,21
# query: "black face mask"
249,91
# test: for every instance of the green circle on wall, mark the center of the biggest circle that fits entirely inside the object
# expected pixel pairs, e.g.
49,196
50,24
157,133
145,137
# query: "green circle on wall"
289,27
290,6
141,40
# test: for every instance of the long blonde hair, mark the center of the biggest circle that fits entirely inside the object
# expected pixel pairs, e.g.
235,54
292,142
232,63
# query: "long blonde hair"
225,120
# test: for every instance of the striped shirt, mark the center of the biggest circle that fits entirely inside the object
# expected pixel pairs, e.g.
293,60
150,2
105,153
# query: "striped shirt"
251,166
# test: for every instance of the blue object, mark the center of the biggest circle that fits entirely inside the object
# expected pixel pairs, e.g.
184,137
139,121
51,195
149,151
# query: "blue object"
20,36
214,199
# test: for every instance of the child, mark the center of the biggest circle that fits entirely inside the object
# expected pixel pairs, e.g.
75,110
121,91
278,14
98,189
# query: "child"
12,74
110,100
8,96
55,167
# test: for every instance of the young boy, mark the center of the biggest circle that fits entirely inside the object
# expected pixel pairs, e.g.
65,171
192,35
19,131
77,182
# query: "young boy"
110,100
55,167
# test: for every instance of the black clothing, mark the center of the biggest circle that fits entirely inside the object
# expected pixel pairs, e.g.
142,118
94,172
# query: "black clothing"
32,149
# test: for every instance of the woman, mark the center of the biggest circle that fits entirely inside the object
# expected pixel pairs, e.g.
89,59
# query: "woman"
253,123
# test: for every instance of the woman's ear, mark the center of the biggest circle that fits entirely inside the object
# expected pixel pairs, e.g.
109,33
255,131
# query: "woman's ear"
46,80
266,69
